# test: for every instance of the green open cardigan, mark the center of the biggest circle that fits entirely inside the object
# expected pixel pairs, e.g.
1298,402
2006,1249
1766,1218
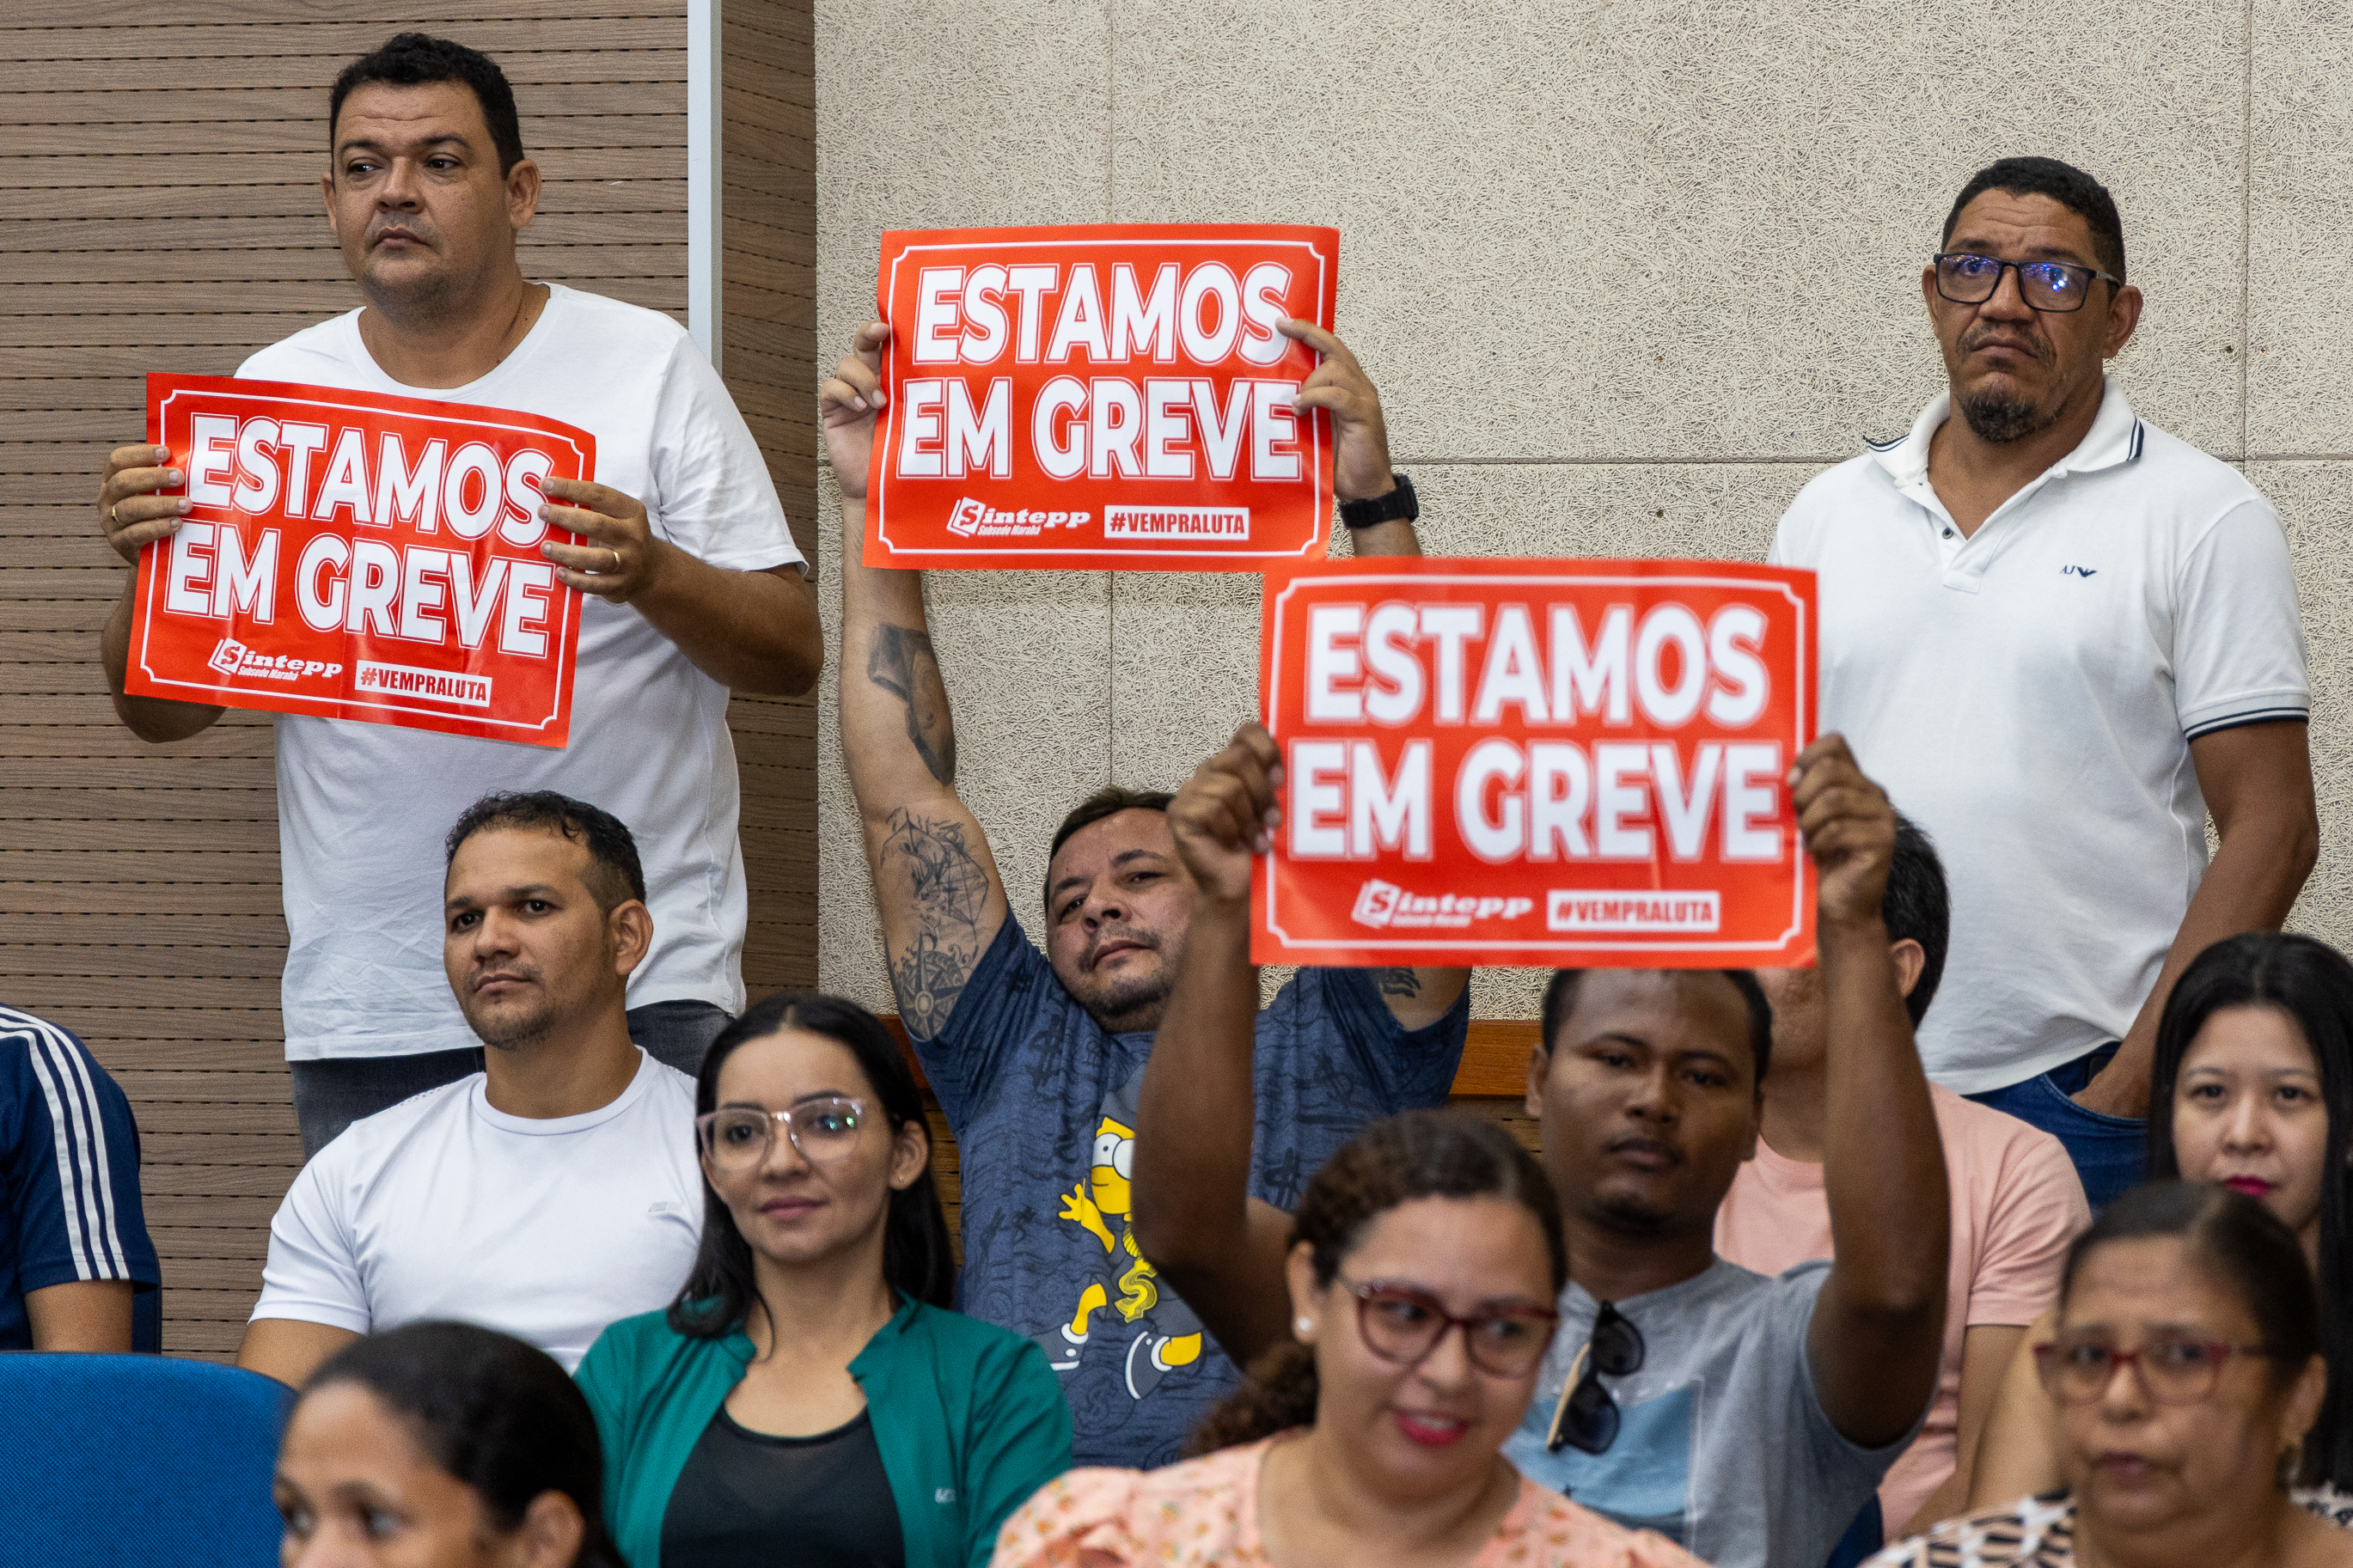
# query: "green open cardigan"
969,1418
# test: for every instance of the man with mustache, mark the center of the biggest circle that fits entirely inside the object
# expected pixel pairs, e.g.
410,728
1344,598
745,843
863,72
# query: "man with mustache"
1037,1058
692,585
1747,1418
555,1189
2061,638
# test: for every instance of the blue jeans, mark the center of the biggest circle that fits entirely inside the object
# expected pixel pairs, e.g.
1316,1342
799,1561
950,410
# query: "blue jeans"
2110,1152
678,1033
332,1094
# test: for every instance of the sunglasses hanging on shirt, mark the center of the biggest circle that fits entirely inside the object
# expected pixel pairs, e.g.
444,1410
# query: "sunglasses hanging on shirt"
1586,1418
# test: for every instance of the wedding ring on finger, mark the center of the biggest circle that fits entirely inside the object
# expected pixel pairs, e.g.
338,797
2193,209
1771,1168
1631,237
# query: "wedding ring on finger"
616,555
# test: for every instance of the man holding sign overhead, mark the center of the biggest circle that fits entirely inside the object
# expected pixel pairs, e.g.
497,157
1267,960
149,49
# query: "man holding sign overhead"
1037,1058
689,584
1745,1418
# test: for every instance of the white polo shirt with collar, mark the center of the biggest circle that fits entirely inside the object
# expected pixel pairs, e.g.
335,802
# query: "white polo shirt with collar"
2028,694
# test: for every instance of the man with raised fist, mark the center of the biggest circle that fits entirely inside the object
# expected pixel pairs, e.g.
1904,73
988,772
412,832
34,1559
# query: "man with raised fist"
1037,1056
1747,1418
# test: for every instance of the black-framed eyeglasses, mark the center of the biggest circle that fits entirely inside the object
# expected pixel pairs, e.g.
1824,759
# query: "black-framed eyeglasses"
1586,1418
2175,1371
2056,286
1403,1323
738,1137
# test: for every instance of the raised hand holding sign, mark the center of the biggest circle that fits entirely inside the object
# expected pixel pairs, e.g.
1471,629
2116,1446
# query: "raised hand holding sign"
1578,762
1122,397
356,555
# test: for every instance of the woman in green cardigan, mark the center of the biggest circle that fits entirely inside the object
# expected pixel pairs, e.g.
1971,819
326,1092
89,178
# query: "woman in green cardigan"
808,1400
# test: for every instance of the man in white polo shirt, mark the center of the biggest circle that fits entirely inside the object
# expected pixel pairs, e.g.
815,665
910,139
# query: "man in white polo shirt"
546,1196
2060,638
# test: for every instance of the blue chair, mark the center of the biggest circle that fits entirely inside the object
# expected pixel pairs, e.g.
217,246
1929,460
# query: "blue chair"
134,1459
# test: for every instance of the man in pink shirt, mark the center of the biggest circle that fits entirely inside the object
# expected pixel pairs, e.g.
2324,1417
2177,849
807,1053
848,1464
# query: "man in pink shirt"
2016,1199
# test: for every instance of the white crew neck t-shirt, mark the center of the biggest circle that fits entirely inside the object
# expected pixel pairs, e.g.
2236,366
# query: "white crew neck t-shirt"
444,1207
2028,695
363,808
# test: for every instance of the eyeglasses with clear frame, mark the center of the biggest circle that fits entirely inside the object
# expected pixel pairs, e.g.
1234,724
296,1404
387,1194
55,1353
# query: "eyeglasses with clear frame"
2175,1371
1403,1323
2055,287
739,1137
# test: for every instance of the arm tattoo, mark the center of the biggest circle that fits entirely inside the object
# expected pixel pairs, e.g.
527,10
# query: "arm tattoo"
928,980
903,664
945,888
1397,981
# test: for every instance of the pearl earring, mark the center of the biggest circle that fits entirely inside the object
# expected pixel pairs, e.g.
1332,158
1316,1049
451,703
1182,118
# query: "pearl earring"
1304,1325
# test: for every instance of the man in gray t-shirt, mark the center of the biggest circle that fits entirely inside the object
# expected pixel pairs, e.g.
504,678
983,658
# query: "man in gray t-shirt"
1724,1445
1749,1420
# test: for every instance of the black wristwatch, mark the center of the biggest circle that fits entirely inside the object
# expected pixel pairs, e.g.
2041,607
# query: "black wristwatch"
1397,506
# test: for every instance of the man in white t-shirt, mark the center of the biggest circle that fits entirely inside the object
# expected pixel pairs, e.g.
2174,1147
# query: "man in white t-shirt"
2061,638
546,1196
692,585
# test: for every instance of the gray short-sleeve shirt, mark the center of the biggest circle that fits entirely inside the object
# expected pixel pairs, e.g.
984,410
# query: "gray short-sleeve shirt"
1723,1446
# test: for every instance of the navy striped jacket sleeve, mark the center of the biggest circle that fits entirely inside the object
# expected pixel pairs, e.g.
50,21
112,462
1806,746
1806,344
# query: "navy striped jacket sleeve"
72,1168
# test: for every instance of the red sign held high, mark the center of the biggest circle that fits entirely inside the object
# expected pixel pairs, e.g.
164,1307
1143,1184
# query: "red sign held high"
1579,763
352,555
1108,398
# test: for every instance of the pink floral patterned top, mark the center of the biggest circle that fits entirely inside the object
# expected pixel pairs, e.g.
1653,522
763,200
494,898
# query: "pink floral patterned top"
1206,1511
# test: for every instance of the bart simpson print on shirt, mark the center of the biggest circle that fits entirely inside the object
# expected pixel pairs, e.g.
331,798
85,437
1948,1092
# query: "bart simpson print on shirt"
1156,1333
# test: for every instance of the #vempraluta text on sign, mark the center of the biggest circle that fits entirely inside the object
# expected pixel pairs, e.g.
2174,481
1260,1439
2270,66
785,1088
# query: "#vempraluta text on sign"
356,555
1113,396
1579,763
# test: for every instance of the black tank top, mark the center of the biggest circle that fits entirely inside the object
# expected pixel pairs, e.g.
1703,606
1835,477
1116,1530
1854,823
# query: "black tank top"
748,1501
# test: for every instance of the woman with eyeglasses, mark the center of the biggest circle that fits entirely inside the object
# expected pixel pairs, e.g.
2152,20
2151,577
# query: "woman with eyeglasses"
1423,1268
809,1398
2185,1369
2253,1088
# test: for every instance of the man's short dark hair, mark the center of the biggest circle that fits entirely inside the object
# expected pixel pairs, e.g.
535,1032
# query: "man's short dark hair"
1108,801
613,876
1917,906
2063,183
1560,1001
416,59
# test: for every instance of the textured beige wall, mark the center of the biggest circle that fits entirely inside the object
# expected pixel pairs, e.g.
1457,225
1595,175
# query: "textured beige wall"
1627,274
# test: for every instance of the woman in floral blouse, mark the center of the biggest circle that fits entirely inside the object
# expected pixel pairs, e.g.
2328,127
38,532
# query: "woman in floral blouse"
1373,1436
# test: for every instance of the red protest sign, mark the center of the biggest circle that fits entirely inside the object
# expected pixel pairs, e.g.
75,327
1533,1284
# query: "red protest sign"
1578,764
352,555
1112,397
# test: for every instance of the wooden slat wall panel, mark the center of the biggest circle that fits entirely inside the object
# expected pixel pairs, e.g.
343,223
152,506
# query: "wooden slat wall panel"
174,223
768,354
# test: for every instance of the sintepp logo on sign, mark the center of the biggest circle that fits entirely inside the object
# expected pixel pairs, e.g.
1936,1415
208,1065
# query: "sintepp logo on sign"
1385,904
971,517
232,658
